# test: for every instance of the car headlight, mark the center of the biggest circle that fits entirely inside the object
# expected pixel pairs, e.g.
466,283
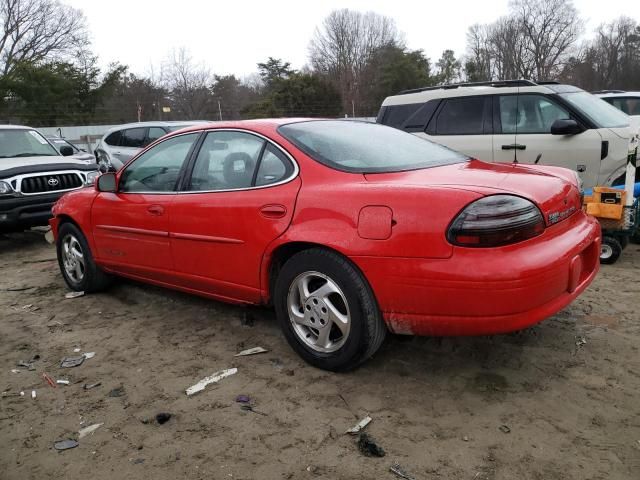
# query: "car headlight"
5,188
91,177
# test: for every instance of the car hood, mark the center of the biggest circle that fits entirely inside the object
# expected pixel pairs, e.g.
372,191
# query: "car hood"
553,189
53,160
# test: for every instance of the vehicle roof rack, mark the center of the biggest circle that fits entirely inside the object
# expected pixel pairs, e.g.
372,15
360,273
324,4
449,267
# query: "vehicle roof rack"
609,91
494,83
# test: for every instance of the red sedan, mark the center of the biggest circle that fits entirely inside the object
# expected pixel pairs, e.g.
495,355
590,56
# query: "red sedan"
349,229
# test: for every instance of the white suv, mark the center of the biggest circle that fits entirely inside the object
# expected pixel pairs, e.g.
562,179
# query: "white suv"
121,143
521,121
628,102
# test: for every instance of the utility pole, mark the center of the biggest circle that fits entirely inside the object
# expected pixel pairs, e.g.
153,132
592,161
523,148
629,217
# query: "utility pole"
219,110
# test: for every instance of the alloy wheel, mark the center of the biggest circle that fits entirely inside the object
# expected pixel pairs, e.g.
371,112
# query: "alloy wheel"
73,258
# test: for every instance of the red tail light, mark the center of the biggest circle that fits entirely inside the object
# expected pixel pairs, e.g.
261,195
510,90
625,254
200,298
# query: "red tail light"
496,220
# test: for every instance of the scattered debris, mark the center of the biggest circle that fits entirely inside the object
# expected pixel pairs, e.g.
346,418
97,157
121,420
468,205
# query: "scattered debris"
49,380
138,461
465,439
163,418
27,365
74,294
22,394
65,444
49,238
15,370
251,351
33,394
277,363
243,399
17,289
70,362
116,392
400,472
249,408
368,446
582,341
359,426
89,355
88,430
62,382
76,350
90,386
504,429
215,378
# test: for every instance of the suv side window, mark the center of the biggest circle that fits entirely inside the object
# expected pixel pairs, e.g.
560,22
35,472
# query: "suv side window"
133,137
529,113
461,116
227,160
154,134
113,139
629,105
158,169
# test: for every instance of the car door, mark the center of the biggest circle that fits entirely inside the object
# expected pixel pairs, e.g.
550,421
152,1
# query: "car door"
464,124
131,227
238,197
534,143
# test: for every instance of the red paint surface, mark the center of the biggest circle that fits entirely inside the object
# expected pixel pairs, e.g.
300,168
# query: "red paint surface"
221,244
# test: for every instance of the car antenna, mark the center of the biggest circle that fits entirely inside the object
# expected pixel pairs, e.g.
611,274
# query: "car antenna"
537,159
515,150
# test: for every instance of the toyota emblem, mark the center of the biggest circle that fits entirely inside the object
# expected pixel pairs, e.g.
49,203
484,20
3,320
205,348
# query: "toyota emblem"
53,182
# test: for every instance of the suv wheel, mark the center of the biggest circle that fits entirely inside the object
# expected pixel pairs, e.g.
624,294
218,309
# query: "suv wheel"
327,310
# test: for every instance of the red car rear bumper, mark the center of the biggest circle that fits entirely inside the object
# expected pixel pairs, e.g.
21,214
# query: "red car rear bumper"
481,291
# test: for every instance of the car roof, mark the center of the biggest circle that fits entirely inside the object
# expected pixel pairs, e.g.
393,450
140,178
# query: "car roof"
158,123
15,127
422,95
616,93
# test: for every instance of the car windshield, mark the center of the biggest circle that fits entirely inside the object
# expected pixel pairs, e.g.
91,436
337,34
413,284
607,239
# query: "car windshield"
362,147
597,110
24,143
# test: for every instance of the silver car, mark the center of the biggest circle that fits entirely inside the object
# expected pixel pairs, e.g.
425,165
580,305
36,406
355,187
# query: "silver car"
121,143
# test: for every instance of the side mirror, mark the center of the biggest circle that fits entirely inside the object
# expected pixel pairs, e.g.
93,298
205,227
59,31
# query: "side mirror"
566,127
107,183
66,150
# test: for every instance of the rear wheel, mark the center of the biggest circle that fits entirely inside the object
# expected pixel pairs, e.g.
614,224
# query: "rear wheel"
610,250
327,310
76,262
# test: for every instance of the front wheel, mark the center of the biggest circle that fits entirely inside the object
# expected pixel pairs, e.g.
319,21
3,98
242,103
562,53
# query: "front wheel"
327,310
76,262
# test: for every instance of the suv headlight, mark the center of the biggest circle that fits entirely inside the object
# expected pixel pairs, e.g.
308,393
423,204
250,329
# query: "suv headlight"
91,177
5,188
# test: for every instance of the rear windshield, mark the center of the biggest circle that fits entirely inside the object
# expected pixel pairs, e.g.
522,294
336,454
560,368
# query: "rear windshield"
597,110
24,143
361,147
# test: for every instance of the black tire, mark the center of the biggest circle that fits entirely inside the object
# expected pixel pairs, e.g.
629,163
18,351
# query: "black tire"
635,238
367,329
93,278
611,250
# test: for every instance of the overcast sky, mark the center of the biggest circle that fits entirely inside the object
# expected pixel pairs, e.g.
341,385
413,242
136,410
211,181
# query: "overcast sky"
231,36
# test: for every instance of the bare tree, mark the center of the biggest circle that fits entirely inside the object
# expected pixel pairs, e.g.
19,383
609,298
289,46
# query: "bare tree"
344,44
35,30
550,28
535,40
188,84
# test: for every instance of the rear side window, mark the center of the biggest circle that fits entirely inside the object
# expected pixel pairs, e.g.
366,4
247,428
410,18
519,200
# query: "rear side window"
396,115
461,116
227,160
113,139
274,167
133,137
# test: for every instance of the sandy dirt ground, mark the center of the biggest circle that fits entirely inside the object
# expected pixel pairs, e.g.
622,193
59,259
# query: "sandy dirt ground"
558,401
